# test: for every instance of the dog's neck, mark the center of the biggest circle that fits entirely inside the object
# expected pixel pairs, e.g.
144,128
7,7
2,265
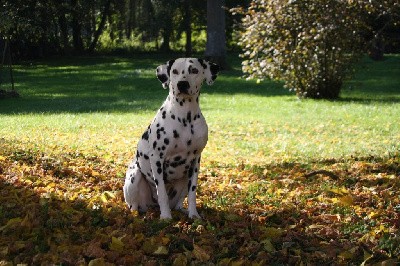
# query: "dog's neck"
180,102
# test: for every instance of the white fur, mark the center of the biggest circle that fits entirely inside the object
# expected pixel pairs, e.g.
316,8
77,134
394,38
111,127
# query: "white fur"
167,163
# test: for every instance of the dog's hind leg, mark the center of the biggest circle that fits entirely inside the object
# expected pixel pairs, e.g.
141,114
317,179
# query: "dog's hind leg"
137,192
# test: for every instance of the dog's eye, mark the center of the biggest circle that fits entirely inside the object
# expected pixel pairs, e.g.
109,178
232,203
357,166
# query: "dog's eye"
194,71
175,71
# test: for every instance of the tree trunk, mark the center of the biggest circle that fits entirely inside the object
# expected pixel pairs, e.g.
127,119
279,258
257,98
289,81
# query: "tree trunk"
131,13
167,32
100,29
76,28
188,29
216,40
62,22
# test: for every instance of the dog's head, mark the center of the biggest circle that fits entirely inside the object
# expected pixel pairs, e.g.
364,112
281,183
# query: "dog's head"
184,76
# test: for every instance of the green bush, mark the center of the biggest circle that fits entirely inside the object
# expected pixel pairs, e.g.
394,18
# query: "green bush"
309,44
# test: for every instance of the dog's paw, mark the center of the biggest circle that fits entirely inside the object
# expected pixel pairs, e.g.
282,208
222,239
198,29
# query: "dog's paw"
165,217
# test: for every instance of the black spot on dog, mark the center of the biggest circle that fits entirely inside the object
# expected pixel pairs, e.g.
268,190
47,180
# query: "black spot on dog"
145,135
156,181
189,184
154,145
176,134
146,156
204,65
159,170
164,113
189,142
191,171
177,158
169,65
173,116
189,117
166,141
214,71
193,188
162,77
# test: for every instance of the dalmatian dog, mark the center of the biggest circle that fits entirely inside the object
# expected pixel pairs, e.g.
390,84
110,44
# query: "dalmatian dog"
167,161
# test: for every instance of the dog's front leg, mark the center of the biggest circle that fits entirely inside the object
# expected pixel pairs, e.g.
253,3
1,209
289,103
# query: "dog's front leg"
157,169
192,186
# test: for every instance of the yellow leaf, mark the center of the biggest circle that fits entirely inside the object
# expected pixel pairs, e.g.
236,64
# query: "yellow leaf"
110,194
339,191
372,215
11,223
225,262
346,255
200,254
103,198
346,200
95,173
2,158
165,240
97,262
149,245
272,232
161,250
238,262
268,246
180,260
116,244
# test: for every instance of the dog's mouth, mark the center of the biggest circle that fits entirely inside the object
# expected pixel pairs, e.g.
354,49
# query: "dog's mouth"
183,87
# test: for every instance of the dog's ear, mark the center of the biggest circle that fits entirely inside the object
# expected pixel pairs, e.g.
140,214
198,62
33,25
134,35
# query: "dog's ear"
163,73
210,70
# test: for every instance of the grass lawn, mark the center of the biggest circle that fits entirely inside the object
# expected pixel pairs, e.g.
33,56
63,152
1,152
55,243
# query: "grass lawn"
65,143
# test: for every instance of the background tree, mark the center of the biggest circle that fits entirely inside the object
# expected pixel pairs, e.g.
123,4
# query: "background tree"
310,44
216,38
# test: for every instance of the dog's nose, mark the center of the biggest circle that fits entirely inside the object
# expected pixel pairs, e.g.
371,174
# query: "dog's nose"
183,86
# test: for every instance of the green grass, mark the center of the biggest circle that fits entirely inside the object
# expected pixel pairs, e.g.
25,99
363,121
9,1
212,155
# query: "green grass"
65,143
101,105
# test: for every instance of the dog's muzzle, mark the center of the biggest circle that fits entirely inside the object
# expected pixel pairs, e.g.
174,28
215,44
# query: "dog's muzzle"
183,86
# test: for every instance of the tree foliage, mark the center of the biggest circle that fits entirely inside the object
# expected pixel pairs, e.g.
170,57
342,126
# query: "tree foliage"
46,27
309,44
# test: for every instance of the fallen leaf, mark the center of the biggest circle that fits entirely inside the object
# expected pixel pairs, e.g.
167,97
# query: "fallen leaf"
161,250
180,260
97,262
116,244
12,223
268,246
200,254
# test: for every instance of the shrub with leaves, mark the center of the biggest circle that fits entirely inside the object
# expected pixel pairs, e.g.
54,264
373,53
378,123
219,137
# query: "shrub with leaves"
308,44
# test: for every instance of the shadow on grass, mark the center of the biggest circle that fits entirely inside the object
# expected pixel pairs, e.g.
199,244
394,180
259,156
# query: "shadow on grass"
117,84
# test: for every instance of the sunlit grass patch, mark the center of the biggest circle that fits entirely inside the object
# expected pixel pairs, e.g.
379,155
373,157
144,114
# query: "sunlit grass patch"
65,144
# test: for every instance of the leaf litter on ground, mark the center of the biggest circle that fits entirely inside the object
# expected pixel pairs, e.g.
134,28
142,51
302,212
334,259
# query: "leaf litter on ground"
70,210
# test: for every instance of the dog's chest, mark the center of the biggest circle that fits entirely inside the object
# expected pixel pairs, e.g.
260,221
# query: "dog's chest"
179,138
